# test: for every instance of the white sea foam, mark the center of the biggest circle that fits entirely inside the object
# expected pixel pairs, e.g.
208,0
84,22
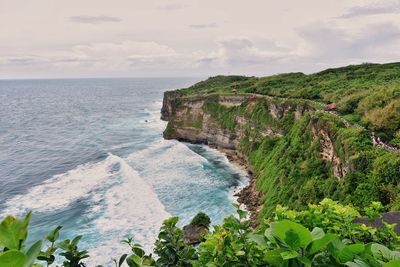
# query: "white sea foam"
121,204
131,208
170,162
63,189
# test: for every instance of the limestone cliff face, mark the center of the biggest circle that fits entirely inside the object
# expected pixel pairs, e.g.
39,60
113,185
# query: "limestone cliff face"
329,153
183,113
245,125
190,121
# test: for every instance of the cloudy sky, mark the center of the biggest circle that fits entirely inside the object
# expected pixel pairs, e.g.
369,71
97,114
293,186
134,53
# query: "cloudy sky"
154,38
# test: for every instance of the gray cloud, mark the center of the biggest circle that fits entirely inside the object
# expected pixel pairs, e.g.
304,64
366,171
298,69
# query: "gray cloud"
369,10
328,44
172,6
203,26
94,19
23,60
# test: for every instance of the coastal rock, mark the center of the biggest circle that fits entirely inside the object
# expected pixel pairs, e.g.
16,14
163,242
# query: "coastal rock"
194,234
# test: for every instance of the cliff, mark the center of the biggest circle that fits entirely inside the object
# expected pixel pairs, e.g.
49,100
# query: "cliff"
298,151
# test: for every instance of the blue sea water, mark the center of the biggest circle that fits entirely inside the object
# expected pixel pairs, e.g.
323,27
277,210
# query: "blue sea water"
88,154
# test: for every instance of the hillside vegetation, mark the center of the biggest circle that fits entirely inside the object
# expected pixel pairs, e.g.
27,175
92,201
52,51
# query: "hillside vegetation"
299,151
368,94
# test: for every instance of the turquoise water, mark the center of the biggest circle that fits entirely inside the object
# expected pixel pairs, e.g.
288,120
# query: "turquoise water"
89,154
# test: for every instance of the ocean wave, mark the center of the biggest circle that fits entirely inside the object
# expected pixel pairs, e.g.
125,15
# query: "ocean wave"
129,208
61,190
121,204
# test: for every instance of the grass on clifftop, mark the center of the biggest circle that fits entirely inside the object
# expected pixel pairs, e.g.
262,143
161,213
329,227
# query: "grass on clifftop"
368,94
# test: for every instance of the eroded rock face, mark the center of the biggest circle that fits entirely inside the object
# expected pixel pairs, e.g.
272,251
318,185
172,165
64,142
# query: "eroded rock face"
179,111
328,152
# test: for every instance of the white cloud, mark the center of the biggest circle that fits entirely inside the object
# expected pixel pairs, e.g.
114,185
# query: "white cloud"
157,38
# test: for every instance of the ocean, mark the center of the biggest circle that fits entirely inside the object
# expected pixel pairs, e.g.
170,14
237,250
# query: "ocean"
88,154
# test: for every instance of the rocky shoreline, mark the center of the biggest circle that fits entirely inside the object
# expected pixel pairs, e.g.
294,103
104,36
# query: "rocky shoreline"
249,196
179,111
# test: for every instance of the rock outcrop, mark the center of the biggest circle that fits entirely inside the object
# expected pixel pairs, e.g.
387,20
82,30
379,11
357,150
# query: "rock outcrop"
328,152
194,234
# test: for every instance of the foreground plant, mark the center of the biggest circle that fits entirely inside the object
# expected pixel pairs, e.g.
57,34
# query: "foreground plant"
13,234
321,235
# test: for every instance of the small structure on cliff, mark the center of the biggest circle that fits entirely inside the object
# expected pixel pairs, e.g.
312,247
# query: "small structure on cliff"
331,106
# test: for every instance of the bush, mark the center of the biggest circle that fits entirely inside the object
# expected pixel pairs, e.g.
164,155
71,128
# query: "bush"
321,235
201,219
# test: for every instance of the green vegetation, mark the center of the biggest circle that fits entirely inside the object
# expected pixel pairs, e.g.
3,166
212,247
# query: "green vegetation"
300,153
320,235
318,170
370,93
201,219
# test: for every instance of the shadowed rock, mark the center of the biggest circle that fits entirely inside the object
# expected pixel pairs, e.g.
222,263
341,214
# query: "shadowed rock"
389,217
194,234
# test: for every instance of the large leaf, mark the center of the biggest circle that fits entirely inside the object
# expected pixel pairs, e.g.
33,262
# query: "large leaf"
134,261
317,233
274,257
356,248
293,234
394,263
317,245
289,254
13,232
12,258
258,239
346,254
32,253
357,263
381,252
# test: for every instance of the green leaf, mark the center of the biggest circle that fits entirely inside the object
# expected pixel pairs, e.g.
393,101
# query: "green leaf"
23,230
53,235
289,254
394,263
32,253
293,234
13,232
240,253
134,260
242,214
345,255
258,239
356,248
317,245
305,261
317,233
381,252
75,241
122,259
274,257
12,258
269,235
357,263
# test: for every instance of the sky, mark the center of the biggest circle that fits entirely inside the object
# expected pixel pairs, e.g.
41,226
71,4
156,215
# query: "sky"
155,38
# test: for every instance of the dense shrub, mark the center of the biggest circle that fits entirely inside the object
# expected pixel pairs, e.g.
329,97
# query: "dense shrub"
201,219
321,235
